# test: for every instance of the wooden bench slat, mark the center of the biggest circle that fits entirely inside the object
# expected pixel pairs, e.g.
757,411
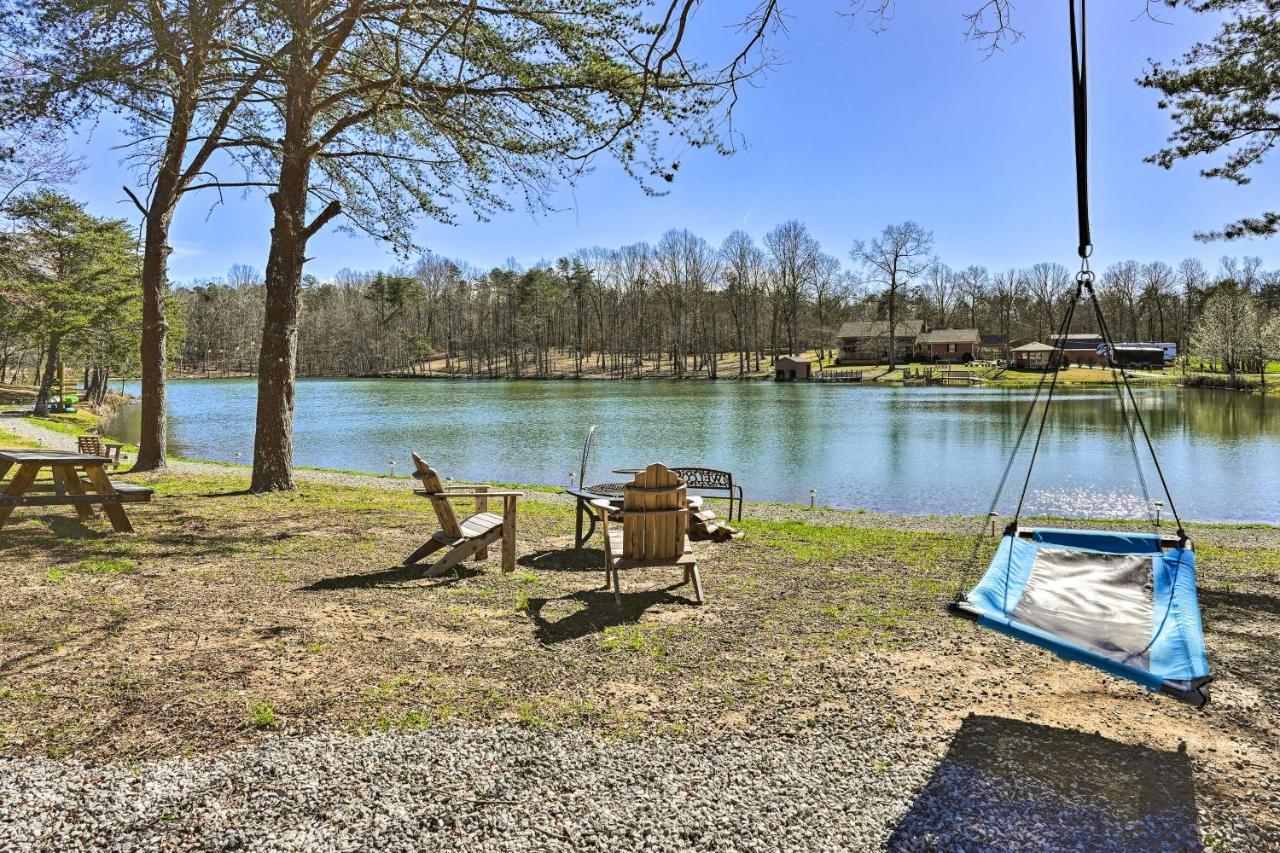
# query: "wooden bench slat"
29,499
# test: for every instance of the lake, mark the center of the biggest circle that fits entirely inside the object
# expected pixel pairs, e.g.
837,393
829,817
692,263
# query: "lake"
909,450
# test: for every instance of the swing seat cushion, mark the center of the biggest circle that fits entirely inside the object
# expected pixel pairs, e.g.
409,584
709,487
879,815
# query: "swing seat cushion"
1116,601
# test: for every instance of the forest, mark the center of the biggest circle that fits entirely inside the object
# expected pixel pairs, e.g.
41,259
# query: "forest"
684,307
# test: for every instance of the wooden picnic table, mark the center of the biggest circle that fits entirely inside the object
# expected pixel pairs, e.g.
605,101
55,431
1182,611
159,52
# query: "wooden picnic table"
67,488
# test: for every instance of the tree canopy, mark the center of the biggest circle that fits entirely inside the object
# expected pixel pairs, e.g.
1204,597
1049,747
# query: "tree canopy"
1224,98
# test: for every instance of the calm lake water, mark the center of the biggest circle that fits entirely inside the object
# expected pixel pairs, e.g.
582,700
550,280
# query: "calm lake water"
911,450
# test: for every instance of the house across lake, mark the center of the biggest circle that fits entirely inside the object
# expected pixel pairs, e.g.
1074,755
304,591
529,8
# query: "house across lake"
949,345
867,342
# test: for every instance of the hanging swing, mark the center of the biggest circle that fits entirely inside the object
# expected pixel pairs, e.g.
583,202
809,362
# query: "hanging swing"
1122,602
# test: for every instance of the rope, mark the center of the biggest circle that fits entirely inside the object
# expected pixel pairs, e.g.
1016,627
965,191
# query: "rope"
1013,457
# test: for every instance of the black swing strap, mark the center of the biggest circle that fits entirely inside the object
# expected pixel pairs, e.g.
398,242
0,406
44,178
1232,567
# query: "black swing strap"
1080,106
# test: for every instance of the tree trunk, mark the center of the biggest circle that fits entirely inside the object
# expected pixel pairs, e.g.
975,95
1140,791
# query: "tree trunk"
153,434
46,382
153,429
893,330
277,361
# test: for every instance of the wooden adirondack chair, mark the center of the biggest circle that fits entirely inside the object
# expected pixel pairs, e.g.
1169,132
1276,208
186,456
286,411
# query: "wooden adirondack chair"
93,445
655,529
472,536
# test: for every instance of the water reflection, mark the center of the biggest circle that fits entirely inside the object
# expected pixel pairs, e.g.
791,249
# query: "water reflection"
895,449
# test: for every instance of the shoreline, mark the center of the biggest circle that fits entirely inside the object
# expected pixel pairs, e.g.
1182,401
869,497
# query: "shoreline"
1140,380
822,515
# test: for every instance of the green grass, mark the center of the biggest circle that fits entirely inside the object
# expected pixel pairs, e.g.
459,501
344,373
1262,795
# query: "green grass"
819,543
93,566
263,716
80,422
103,566
13,441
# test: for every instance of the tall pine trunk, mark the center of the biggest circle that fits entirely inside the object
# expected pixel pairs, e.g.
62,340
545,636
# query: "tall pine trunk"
290,232
153,434
278,359
153,430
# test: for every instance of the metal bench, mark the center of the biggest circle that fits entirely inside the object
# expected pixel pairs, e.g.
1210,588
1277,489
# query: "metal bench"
712,480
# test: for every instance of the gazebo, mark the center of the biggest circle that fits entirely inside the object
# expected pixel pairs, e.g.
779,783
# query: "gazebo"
1034,356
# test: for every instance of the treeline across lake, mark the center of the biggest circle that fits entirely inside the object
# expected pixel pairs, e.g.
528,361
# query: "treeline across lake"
684,307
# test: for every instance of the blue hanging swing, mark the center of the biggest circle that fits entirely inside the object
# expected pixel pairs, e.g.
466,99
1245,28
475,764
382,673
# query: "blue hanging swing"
1122,602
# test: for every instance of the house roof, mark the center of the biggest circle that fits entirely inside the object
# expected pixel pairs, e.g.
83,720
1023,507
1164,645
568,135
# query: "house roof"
794,359
950,336
1034,346
1078,341
904,328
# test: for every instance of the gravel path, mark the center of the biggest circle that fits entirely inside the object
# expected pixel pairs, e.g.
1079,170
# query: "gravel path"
529,789
495,789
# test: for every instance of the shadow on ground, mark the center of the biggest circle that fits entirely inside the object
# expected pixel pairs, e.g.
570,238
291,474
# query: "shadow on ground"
565,560
597,611
1010,785
391,576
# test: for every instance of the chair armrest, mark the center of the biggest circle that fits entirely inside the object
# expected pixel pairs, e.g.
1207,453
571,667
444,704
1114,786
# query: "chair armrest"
476,494
602,504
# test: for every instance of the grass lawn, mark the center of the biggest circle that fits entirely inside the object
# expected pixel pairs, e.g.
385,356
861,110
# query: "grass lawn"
10,440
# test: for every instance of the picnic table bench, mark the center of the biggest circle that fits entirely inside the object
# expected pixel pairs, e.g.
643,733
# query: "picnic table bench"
67,487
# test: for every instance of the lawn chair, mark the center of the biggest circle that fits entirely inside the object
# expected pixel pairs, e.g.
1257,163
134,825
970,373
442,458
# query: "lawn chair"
93,445
655,529
472,536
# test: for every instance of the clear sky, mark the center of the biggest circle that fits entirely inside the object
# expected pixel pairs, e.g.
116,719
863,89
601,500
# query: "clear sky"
852,130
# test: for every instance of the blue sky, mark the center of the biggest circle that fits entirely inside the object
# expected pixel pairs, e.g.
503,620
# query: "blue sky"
853,130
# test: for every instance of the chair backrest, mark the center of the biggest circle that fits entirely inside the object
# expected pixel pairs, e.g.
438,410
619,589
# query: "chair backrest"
90,444
431,484
655,515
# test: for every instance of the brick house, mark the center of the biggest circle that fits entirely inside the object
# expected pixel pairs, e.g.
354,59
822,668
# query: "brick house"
952,346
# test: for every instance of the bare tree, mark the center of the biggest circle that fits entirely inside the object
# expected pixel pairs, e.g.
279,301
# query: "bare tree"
1007,289
30,158
829,287
793,253
973,282
1156,285
1121,288
940,291
741,264
1047,283
893,260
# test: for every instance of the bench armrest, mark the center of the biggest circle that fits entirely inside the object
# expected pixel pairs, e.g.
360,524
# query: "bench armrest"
496,493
